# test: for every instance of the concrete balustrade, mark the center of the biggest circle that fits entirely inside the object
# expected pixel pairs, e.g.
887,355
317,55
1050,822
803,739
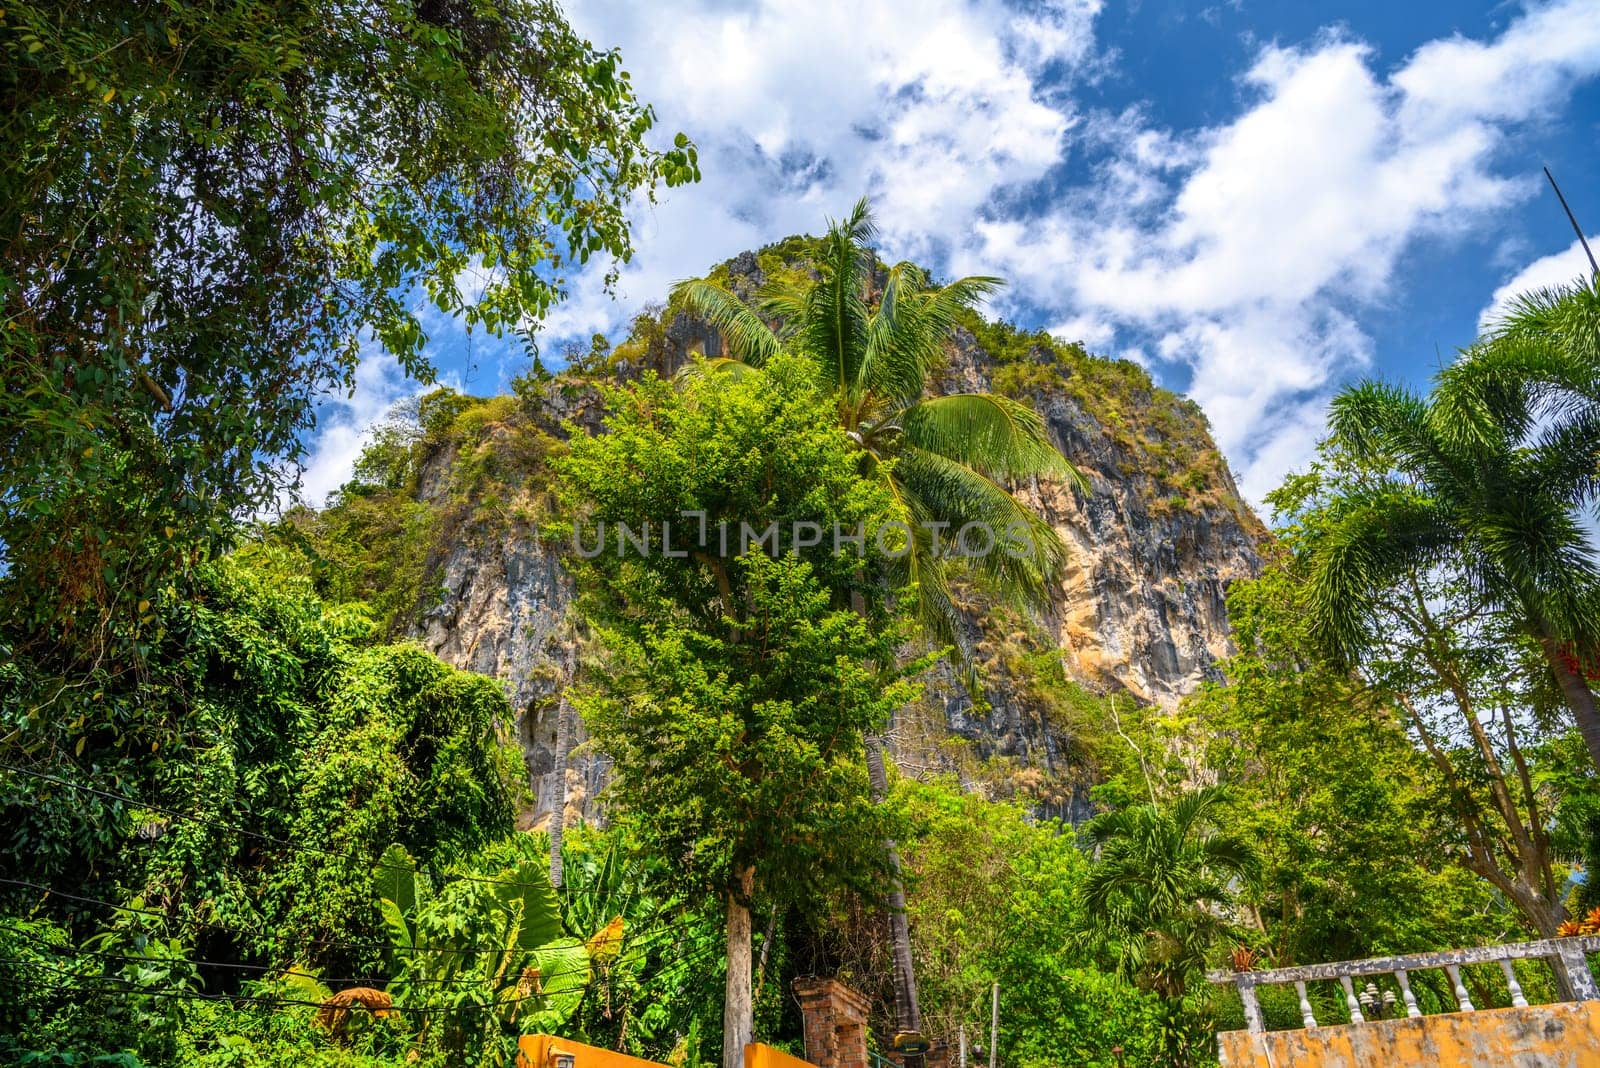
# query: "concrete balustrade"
1566,955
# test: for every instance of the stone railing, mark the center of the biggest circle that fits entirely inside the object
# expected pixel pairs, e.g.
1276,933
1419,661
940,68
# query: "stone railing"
1566,956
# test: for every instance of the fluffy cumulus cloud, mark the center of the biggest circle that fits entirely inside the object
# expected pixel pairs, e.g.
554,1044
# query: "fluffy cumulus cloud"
1249,252
1236,261
798,108
1557,269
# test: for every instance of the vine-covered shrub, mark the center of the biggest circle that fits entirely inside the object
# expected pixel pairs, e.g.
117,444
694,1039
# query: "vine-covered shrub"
293,752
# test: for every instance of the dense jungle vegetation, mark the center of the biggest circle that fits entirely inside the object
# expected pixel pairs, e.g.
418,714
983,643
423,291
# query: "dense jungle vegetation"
245,821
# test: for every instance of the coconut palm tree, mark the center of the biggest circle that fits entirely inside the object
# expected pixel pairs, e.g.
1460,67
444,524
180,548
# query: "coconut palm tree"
947,460
1157,895
1491,475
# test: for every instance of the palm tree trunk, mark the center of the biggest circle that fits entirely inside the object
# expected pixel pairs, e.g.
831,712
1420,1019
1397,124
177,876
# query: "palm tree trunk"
738,1009
1579,697
558,817
907,1016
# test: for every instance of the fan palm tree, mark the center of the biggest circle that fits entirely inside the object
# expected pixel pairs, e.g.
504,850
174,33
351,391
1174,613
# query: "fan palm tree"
1158,891
1491,475
946,460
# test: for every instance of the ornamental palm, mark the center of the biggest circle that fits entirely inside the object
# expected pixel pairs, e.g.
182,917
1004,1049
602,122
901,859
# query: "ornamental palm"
1490,476
1157,892
945,459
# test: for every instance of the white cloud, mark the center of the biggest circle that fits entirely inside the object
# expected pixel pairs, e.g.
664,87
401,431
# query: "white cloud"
798,108
344,424
1239,257
1556,269
1250,266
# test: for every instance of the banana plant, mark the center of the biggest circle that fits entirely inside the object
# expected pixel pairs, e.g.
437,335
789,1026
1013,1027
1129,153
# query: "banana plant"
492,948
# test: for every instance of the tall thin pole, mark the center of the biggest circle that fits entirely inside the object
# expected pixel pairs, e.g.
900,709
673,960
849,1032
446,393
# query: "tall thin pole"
994,1028
962,1033
1574,221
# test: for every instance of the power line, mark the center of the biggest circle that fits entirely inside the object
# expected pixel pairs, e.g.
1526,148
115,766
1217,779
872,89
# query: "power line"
129,987
112,795
133,988
324,944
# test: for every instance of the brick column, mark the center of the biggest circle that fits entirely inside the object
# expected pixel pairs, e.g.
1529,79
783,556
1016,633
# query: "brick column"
835,1023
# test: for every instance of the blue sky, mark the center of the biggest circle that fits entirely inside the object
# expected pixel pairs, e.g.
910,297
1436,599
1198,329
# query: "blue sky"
1258,201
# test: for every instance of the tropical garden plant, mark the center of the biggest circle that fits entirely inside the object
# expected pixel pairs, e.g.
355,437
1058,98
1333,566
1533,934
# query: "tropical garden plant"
740,682
1490,477
874,341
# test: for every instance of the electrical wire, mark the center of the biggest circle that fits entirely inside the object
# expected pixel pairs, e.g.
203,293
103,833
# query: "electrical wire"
112,795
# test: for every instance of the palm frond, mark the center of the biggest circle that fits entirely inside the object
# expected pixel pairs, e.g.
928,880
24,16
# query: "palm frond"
1376,420
745,335
702,367
1369,543
834,322
962,498
907,335
994,435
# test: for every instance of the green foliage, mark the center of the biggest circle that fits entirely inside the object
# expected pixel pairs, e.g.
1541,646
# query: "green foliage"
480,959
658,972
738,687
1095,1013
945,459
994,896
1163,881
298,752
210,208
1336,796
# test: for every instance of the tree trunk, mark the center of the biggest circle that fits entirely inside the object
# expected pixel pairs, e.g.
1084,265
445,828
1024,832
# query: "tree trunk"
907,1016
558,816
738,1010
1579,697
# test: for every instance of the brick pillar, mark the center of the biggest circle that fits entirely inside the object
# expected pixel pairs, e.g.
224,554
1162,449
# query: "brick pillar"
835,1023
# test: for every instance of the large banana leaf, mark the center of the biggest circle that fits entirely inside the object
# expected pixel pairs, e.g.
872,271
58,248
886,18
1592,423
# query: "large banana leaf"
550,1000
534,904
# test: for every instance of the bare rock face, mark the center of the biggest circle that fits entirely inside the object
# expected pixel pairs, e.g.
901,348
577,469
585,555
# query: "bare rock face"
1139,612
1142,603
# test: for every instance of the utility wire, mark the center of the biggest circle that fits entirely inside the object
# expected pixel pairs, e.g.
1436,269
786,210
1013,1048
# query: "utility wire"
134,988
324,944
112,795
75,982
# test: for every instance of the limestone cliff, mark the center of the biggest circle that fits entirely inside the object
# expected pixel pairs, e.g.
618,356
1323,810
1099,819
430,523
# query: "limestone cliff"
1139,611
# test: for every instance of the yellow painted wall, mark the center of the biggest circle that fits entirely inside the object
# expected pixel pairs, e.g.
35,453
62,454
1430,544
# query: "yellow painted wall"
757,1055
538,1051
1541,1036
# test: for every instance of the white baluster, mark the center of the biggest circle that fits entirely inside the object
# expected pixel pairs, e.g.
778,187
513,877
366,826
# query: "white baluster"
1517,998
1405,993
1462,1000
1305,1006
1252,1007
1350,1000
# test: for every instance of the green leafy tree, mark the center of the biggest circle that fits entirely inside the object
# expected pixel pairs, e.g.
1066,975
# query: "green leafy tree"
946,460
1158,893
740,683
210,212
1339,801
1442,643
1488,478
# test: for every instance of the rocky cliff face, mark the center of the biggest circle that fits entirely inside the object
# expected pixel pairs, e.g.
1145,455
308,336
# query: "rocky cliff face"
1139,612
